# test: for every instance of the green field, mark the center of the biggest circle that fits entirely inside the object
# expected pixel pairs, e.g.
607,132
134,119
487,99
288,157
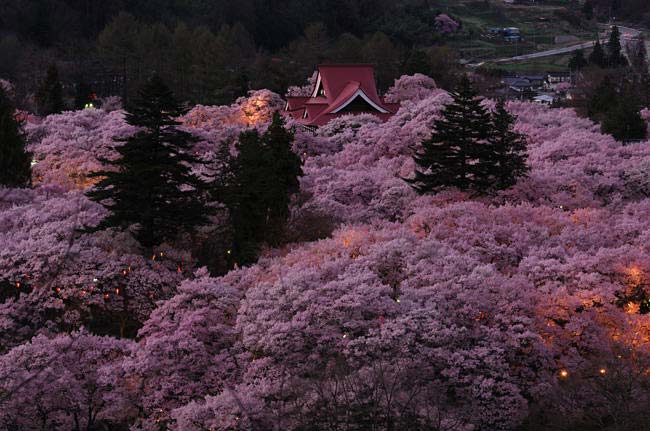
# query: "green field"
555,63
539,25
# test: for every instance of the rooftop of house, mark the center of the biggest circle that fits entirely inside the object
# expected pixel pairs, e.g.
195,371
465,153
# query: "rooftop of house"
340,89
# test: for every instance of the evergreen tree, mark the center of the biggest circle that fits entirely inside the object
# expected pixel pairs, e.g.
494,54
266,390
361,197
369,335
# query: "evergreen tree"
603,98
509,149
15,161
82,94
286,168
588,9
150,187
578,61
615,57
418,62
456,155
597,56
49,98
624,122
263,177
639,56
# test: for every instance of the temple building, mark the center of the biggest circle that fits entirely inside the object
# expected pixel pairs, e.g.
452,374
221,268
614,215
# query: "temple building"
340,89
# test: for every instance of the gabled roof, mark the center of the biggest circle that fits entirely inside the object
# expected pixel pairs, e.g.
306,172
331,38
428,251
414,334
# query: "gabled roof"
337,87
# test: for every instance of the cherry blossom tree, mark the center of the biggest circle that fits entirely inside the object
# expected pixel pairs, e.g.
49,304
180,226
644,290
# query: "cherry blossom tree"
440,312
55,383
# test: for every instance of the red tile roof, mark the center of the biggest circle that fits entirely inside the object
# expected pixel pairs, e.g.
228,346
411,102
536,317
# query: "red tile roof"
337,86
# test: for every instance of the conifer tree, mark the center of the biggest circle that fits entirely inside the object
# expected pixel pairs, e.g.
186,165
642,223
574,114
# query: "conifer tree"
264,176
418,62
597,56
639,57
82,94
603,98
624,122
15,161
615,57
509,149
49,97
588,9
150,188
578,61
450,158
286,168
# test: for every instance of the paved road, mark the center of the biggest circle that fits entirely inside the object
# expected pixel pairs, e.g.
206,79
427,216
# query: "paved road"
627,34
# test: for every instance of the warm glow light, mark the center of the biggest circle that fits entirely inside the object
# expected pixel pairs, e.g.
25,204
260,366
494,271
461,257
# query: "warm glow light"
634,275
564,374
632,308
602,371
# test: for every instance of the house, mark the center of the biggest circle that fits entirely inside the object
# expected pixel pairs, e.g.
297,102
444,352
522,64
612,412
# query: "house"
340,89
558,77
520,84
544,99
511,34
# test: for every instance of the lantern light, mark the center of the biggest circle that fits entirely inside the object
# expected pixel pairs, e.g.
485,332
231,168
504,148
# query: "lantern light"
602,371
564,374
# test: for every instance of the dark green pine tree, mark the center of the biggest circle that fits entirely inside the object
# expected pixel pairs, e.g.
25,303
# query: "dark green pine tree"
605,96
456,155
418,62
49,96
578,61
286,168
264,177
510,149
588,9
150,187
597,56
615,57
624,122
639,57
15,161
82,94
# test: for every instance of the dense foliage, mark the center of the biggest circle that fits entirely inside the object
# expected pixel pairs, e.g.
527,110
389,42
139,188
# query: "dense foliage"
380,309
15,161
150,185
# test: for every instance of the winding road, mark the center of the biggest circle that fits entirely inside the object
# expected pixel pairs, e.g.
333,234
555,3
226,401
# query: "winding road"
627,34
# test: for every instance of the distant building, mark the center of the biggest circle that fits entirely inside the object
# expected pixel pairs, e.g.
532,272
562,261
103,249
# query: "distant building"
340,89
558,77
525,83
544,99
510,34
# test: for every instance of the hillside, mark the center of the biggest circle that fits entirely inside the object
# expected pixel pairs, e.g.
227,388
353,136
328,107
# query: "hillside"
523,310
109,48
